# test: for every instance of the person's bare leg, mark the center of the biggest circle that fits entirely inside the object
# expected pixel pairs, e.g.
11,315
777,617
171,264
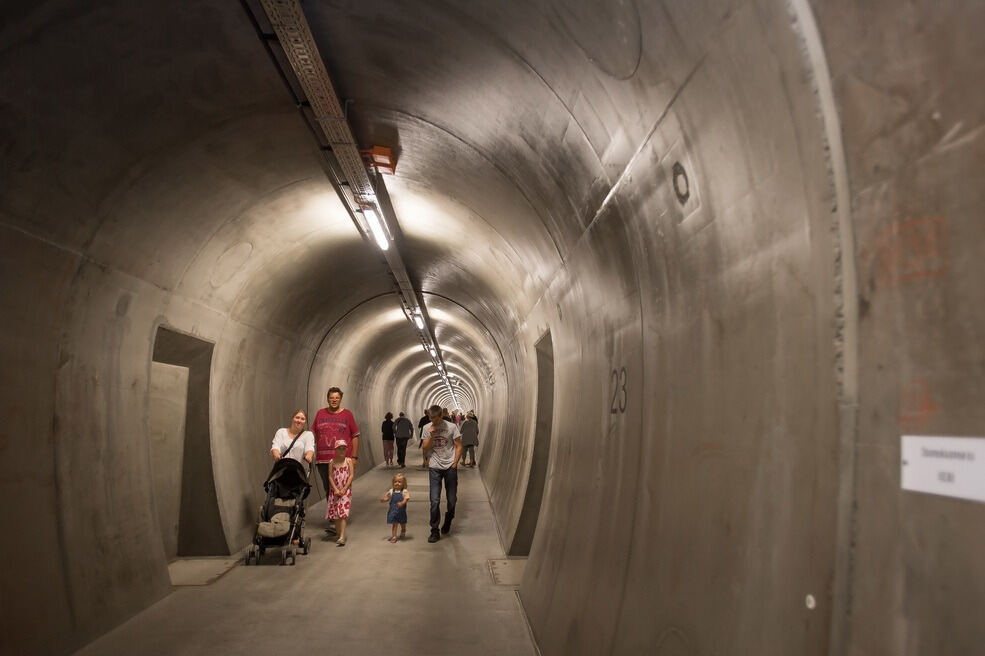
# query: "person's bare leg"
341,522
393,532
403,531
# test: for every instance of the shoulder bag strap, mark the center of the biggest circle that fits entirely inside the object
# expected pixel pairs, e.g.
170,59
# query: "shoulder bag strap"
293,442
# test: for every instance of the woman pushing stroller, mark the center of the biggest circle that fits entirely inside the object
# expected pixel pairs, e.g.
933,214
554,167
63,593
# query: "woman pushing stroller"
294,441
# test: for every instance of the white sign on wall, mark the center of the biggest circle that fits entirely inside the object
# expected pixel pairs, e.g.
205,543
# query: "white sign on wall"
949,466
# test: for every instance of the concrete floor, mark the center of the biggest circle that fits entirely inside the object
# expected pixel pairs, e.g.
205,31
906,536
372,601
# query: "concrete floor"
370,597
199,571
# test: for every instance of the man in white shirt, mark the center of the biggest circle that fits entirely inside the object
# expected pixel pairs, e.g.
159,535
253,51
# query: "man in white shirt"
443,448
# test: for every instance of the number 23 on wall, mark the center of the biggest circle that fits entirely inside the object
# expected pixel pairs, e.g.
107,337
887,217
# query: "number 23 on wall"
618,382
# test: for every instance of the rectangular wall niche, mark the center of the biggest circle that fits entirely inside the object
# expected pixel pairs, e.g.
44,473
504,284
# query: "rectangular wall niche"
181,464
523,537
166,423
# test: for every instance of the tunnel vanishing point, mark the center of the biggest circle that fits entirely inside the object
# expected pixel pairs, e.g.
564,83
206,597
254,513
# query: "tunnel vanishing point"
703,267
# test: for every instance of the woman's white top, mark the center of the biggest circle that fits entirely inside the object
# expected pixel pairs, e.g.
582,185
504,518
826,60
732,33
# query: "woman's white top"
283,439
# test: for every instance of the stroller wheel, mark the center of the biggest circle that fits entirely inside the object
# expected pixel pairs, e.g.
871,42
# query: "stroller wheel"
294,556
306,546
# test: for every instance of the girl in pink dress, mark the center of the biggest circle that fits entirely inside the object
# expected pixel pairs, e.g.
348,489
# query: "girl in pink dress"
340,475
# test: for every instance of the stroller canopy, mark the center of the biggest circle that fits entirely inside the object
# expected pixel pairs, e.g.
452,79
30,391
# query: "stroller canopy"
290,478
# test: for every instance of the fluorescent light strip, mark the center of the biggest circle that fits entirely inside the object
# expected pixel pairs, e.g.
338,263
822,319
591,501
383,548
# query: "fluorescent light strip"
376,226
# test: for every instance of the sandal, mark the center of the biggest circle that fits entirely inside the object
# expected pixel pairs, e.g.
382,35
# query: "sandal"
340,542
393,539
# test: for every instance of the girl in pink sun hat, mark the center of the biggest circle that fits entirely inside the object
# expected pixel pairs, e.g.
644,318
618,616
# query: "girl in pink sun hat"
340,475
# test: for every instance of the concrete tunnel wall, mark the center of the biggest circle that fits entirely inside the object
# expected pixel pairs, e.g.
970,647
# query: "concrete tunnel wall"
811,292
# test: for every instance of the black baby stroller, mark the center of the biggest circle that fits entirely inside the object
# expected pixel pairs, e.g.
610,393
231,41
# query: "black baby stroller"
281,519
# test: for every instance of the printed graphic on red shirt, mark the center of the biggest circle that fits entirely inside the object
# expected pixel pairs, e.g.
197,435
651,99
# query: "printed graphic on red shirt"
329,427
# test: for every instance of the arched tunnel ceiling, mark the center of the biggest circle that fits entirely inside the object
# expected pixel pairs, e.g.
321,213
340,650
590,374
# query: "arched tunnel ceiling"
377,335
494,185
239,216
497,175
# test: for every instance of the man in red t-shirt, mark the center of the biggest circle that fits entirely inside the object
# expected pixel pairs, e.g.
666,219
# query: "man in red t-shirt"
331,424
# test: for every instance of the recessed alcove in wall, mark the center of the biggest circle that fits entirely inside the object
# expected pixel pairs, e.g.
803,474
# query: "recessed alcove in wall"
527,525
167,404
181,451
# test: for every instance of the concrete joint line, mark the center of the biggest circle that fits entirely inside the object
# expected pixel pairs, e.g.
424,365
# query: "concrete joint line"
846,324
624,175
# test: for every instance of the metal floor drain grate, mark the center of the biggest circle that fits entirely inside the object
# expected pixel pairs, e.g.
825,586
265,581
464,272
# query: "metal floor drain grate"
507,571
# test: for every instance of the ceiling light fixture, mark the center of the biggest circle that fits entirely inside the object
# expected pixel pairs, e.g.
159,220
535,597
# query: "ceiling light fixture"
375,224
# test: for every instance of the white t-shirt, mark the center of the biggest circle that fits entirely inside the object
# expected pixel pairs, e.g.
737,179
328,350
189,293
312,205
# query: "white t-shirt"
442,444
283,439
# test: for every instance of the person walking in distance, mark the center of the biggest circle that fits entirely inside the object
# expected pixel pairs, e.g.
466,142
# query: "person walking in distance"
424,421
470,438
332,424
387,430
443,448
402,431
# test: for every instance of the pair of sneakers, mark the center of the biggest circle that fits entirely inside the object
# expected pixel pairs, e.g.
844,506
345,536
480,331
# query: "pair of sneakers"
445,528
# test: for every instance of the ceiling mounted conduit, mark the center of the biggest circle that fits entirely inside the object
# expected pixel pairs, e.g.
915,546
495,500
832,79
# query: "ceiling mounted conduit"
361,189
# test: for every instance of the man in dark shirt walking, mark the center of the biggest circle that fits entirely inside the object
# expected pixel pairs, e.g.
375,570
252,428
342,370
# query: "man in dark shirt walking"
402,430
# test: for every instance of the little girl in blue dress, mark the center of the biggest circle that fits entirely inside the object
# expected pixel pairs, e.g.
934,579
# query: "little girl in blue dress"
398,496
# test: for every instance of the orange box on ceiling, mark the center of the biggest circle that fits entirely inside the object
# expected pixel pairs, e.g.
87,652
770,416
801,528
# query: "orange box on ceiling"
381,157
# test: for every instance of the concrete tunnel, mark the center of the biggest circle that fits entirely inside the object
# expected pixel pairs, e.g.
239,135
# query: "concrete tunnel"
699,266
